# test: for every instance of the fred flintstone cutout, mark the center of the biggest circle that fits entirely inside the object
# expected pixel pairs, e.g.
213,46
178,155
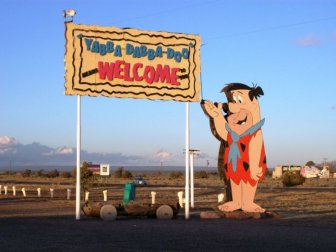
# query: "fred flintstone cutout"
239,129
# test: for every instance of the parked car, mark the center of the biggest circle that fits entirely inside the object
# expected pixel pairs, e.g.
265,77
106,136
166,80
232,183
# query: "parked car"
139,181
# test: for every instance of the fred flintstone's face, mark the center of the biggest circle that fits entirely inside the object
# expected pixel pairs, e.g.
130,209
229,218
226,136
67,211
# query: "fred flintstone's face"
241,109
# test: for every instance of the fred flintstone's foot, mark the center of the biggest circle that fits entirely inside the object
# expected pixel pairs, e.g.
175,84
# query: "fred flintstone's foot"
253,208
229,206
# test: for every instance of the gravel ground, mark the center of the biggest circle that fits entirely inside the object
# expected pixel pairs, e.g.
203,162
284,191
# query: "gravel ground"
64,233
44,224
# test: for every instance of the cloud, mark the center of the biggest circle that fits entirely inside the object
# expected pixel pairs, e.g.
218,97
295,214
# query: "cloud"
310,40
333,107
8,144
36,154
64,151
39,154
60,151
8,141
163,155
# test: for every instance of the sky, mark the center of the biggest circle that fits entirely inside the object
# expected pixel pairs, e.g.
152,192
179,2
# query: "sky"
286,47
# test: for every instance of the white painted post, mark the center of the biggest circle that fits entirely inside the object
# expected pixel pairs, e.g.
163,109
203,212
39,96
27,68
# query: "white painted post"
187,164
192,201
78,189
39,192
180,197
153,197
87,194
68,194
23,192
51,193
5,188
220,197
14,190
105,195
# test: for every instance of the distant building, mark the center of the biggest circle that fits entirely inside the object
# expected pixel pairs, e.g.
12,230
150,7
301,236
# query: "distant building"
280,169
325,173
315,172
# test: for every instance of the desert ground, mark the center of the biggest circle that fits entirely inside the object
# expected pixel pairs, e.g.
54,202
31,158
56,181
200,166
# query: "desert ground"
307,217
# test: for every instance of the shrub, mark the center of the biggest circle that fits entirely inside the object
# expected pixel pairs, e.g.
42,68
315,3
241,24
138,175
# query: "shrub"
27,173
53,174
176,175
40,173
292,179
201,174
86,176
65,174
119,172
127,174
310,163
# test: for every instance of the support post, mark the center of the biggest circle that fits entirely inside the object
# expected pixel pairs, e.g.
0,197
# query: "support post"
192,202
78,157
14,190
68,194
187,164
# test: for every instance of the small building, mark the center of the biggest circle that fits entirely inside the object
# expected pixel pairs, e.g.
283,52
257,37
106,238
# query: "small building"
281,169
325,173
277,173
315,172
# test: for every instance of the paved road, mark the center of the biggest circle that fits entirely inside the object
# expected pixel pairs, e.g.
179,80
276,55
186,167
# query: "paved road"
67,234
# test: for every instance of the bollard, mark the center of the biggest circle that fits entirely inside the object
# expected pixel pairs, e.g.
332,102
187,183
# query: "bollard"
87,196
5,188
153,197
0,189
68,194
23,192
14,190
220,197
51,193
105,195
180,196
39,192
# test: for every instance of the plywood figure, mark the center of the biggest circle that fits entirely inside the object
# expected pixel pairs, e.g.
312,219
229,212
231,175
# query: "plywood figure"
244,153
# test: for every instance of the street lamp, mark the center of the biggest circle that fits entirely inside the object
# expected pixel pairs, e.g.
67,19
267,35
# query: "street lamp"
68,15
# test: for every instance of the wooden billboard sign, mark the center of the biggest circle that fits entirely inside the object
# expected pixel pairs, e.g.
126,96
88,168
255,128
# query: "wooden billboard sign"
130,63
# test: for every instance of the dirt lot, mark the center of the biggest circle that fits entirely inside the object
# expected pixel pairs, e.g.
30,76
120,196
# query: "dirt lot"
38,224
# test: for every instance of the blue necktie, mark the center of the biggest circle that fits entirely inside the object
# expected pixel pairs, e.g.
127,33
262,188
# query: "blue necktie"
234,153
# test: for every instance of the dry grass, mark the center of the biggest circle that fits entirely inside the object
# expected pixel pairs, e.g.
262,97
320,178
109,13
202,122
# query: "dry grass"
315,198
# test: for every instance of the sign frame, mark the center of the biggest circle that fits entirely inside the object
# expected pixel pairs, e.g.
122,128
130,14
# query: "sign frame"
146,64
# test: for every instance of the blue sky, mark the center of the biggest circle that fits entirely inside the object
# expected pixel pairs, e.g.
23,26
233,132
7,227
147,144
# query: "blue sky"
287,47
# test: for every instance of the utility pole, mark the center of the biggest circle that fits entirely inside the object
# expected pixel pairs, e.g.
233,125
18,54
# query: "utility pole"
325,161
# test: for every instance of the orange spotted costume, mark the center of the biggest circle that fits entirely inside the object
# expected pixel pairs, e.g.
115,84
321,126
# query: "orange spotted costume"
236,155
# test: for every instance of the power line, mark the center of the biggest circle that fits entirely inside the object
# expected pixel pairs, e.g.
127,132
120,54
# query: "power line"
271,28
168,11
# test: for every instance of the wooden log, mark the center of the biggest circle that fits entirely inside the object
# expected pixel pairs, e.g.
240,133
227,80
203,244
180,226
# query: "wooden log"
135,209
92,210
140,210
132,209
164,212
108,212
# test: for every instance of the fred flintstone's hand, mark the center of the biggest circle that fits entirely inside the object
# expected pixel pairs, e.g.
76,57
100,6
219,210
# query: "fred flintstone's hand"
256,173
212,110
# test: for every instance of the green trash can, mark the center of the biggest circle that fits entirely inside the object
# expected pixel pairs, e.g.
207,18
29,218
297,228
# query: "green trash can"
129,192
